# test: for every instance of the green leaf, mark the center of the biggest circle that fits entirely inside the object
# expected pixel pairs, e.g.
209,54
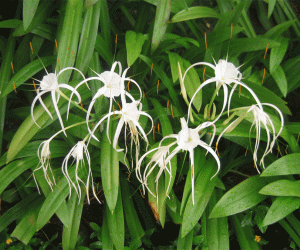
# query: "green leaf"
204,187
133,222
11,23
277,54
280,208
109,170
186,242
134,43
191,81
162,15
282,188
279,29
14,169
29,9
193,13
70,233
240,198
115,221
271,6
245,235
106,238
27,226
286,165
280,79
241,45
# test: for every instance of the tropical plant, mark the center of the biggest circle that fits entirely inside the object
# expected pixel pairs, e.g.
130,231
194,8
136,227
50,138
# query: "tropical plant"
148,65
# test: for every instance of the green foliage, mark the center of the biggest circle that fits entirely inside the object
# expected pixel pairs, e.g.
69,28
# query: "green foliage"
159,40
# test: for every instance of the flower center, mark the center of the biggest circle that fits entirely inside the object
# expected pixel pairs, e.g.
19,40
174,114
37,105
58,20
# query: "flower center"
49,82
112,83
188,139
226,72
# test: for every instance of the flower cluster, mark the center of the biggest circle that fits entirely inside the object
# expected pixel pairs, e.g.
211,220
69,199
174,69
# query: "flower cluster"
130,111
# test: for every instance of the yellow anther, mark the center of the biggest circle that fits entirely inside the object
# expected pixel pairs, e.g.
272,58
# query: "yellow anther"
116,40
205,39
217,149
114,110
266,51
12,67
151,68
31,47
158,128
143,95
257,238
204,74
153,130
157,87
128,85
246,151
231,29
263,78
14,87
56,46
34,86
168,103
172,110
81,105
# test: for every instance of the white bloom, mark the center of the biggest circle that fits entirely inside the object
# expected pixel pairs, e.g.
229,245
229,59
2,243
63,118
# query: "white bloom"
49,83
259,118
78,152
44,155
130,114
187,139
225,74
113,87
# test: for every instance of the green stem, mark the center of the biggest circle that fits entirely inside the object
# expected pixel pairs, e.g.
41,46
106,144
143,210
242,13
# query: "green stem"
290,231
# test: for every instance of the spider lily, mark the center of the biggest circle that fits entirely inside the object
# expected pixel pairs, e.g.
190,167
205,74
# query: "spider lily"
49,83
130,114
44,155
113,86
225,74
187,139
78,152
260,118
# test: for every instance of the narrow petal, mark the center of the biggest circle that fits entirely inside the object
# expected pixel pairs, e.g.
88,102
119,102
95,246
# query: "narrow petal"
43,105
57,110
117,134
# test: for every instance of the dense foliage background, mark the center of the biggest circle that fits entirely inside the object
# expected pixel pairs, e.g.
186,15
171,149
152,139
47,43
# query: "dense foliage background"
238,209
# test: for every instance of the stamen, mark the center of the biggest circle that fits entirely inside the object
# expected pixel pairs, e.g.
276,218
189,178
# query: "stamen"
231,28
56,46
119,106
209,114
204,74
263,75
81,105
142,193
12,67
205,39
151,69
116,40
266,51
172,111
240,90
217,149
114,110
168,105
246,151
158,128
58,63
153,132
157,86
278,148
143,95
257,238
73,55
31,47
14,86
128,85
34,86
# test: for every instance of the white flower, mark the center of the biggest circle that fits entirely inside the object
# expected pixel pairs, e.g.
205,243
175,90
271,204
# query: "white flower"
225,74
260,118
49,83
113,87
187,139
44,155
78,152
130,114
